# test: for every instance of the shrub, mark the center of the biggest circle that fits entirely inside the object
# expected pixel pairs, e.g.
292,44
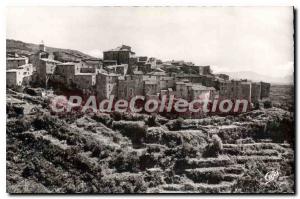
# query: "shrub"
117,116
18,126
14,111
281,130
152,121
268,104
214,148
136,131
212,177
46,122
177,124
103,118
126,162
256,105
186,150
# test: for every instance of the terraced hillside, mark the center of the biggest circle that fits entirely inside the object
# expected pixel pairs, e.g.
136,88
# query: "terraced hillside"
135,153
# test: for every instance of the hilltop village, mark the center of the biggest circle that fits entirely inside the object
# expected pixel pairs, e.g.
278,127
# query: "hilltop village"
124,74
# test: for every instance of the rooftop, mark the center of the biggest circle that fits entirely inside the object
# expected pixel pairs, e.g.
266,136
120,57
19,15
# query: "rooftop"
121,48
67,64
16,58
50,60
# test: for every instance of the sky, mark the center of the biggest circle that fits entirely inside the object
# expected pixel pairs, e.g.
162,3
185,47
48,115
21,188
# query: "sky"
230,39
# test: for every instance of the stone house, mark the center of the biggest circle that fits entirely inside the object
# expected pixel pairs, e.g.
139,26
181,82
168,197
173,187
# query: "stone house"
93,63
20,76
106,85
118,69
201,92
246,90
66,72
15,62
255,91
166,82
205,70
150,88
182,90
265,90
121,54
45,69
130,86
85,81
109,63
14,77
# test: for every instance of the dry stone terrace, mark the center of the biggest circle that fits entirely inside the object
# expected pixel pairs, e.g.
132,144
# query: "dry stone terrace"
137,153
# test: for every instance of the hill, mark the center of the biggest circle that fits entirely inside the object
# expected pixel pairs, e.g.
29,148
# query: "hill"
29,48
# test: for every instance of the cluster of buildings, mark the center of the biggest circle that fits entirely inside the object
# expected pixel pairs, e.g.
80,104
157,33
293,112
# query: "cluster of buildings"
124,74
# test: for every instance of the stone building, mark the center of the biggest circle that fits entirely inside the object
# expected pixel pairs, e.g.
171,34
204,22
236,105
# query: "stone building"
205,70
223,76
265,90
246,91
130,86
106,85
224,88
255,91
93,63
166,82
181,90
150,88
14,78
85,82
45,69
121,54
109,63
15,62
205,80
201,92
20,76
118,69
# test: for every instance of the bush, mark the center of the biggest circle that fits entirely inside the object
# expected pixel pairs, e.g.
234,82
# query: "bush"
14,111
126,162
176,125
256,105
268,104
184,150
152,121
117,116
212,177
136,131
282,130
103,118
214,148
18,126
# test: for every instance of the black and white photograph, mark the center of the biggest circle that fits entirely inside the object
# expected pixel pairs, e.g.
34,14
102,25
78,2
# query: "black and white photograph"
150,100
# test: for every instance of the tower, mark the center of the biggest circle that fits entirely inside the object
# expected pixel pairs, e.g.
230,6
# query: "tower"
42,46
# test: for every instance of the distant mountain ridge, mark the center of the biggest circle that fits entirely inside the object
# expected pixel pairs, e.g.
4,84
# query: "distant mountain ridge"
21,47
259,77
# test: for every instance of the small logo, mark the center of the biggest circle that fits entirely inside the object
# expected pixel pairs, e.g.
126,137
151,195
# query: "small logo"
271,176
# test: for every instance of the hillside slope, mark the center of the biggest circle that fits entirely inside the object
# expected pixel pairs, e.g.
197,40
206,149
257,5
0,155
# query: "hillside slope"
29,48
